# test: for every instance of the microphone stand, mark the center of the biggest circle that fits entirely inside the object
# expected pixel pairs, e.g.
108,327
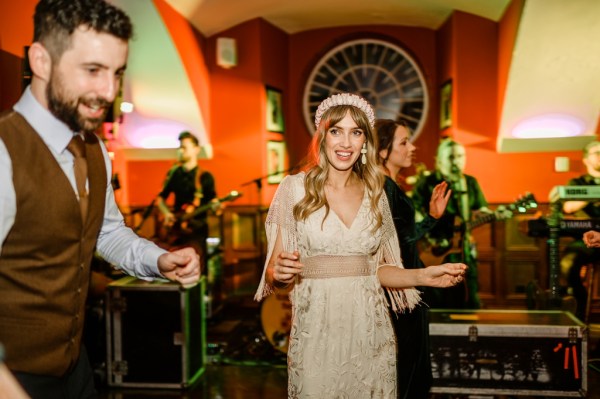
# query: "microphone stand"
258,182
146,214
150,206
260,225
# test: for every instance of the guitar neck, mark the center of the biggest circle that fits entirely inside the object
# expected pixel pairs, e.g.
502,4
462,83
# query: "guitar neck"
480,221
196,212
201,209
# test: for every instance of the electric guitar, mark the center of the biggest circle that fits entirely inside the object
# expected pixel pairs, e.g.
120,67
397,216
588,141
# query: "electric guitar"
433,250
168,232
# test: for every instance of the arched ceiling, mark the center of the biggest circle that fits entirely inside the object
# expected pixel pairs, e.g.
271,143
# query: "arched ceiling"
555,67
555,70
291,16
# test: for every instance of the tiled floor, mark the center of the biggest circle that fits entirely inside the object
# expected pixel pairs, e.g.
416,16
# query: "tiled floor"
242,364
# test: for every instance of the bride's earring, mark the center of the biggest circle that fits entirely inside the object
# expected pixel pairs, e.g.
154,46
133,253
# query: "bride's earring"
363,151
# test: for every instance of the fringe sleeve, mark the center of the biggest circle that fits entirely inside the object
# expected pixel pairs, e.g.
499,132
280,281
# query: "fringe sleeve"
389,255
280,220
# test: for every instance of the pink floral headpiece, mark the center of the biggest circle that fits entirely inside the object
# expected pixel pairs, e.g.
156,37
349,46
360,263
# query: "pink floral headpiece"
345,99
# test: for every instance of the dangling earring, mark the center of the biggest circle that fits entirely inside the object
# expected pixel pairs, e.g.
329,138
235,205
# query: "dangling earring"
363,151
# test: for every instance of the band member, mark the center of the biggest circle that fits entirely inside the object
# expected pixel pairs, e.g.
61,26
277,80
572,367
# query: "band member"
466,202
56,200
591,160
191,188
579,254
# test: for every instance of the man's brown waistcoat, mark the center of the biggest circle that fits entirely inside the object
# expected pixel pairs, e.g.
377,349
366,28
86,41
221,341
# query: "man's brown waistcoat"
45,259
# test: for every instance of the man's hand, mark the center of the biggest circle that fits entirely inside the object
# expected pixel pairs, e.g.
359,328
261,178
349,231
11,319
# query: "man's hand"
181,266
591,239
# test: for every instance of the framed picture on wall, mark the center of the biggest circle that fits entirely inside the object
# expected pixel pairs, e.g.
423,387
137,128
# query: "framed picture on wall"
446,105
275,161
274,110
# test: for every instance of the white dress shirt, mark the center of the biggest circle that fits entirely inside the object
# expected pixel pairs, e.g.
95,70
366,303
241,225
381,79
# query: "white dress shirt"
117,243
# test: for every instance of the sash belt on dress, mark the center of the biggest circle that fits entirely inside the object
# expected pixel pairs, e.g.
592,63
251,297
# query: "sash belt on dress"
330,266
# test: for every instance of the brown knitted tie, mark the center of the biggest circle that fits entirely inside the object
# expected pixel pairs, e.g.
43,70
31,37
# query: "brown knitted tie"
77,148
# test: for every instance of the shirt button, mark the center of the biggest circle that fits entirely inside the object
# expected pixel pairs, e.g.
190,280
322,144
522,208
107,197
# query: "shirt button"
79,290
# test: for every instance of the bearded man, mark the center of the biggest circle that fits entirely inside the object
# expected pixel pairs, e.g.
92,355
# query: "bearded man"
57,203
467,202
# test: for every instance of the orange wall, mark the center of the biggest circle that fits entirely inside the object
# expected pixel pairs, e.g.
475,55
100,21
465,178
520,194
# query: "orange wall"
16,31
238,108
16,25
475,80
190,45
233,100
274,62
505,176
475,54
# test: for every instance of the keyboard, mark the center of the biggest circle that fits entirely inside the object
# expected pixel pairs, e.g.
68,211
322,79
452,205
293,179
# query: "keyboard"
575,193
568,227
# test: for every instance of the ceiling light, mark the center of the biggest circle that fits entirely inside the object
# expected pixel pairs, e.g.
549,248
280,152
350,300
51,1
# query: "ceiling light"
549,126
126,107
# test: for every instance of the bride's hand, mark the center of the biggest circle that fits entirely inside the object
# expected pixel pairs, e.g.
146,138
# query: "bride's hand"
286,267
443,276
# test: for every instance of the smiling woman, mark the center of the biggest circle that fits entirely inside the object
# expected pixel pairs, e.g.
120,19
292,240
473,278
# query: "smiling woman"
331,241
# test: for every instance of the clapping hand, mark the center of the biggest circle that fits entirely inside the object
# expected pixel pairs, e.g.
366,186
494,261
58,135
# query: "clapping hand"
439,200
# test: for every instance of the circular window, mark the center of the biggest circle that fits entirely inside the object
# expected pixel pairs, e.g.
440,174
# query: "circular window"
384,74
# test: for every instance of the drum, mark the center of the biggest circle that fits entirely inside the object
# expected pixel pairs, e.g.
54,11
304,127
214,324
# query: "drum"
276,319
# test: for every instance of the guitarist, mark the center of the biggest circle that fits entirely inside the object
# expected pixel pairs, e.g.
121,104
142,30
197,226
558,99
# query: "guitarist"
191,188
467,200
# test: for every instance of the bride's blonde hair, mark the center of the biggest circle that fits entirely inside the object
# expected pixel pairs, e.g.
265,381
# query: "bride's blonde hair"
318,166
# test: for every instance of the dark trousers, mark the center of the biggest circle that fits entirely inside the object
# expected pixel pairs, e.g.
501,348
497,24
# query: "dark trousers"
413,363
78,383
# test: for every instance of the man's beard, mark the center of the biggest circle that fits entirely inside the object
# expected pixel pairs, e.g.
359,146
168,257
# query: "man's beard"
66,110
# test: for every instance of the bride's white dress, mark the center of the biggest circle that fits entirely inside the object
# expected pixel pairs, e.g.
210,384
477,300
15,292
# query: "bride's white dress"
342,343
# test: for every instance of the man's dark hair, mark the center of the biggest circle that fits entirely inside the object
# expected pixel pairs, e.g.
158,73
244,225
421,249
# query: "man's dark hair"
188,135
55,21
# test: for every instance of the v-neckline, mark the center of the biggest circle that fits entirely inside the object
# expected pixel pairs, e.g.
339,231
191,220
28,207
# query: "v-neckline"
355,215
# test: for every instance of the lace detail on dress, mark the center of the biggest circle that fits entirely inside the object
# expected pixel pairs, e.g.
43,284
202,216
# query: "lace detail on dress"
280,219
341,341
389,254
331,266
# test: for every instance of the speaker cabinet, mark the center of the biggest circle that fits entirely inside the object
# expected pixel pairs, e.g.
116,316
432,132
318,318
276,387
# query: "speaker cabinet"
226,52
